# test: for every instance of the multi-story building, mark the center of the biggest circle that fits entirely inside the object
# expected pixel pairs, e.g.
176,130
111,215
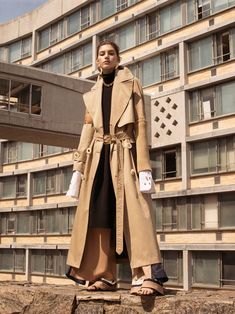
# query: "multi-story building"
184,54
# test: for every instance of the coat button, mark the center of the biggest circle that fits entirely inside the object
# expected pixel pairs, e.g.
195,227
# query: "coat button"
76,154
132,172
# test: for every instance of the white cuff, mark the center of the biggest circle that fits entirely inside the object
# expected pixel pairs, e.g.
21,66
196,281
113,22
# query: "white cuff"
74,186
146,182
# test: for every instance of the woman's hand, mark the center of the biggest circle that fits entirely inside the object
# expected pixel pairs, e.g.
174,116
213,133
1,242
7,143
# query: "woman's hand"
74,186
146,182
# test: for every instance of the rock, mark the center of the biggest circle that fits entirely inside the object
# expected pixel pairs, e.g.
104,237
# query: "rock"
28,298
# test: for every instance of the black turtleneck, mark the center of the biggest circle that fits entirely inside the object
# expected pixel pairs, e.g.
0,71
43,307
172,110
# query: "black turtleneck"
106,100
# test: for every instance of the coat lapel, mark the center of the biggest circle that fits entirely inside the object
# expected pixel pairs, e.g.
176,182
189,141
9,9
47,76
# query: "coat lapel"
93,104
121,94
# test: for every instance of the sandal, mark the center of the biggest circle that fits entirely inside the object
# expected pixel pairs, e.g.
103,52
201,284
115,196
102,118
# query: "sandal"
77,280
103,284
154,286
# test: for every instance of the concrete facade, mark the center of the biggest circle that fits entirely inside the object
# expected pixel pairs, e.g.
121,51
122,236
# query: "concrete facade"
183,52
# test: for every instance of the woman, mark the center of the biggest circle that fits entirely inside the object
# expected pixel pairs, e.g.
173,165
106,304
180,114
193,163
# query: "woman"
114,207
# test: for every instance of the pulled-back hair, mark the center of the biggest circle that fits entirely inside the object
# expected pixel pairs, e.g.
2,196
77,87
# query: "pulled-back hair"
108,42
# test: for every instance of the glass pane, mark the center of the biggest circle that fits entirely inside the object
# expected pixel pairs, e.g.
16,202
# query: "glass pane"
67,174
194,106
23,222
19,260
57,65
158,211
9,186
173,266
39,183
76,59
44,38
3,223
196,213
85,17
150,70
206,268
230,165
15,51
191,15
21,186
36,99
218,5
225,99
51,182
200,54
87,54
24,151
72,212
6,259
211,211
108,7
53,150
170,17
142,30
52,262
153,25
73,23
26,47
124,272
228,266
126,37
53,221
37,261
227,210
4,93
11,223
156,164
182,213
19,97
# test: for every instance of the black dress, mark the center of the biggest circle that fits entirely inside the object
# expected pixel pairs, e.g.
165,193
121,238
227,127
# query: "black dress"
102,211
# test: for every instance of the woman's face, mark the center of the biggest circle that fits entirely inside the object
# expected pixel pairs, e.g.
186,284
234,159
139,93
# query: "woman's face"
107,58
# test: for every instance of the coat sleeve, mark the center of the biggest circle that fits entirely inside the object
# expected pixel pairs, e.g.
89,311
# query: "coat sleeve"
142,149
79,156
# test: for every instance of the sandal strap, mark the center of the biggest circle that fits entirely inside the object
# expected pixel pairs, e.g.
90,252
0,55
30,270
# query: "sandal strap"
152,284
110,283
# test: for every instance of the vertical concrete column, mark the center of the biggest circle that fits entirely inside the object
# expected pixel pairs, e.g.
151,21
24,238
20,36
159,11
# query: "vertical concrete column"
94,45
29,188
185,165
34,45
27,270
1,156
183,63
187,270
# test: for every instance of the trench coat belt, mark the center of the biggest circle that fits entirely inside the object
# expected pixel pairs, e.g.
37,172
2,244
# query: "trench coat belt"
116,141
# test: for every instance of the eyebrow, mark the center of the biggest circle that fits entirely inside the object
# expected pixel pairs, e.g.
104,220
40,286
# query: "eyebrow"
111,50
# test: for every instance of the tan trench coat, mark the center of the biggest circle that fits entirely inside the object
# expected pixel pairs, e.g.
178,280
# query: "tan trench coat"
133,208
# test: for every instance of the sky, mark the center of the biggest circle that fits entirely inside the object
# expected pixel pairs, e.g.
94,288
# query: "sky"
9,9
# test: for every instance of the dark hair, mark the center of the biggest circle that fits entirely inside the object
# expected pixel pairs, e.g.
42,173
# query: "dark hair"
108,42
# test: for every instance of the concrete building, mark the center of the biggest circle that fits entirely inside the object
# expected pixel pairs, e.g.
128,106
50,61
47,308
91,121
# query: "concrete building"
184,54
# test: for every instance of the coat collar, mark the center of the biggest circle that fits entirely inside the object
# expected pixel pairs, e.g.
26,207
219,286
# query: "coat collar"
121,94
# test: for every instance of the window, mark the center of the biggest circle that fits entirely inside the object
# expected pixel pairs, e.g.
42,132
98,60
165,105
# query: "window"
213,156
68,215
198,9
211,102
19,151
20,49
224,46
20,97
45,182
66,177
124,37
149,27
197,213
206,268
6,260
19,260
14,186
3,54
170,17
49,262
226,210
23,222
200,54
71,61
52,221
228,268
173,265
166,163
172,214
73,23
151,71
51,35
169,64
